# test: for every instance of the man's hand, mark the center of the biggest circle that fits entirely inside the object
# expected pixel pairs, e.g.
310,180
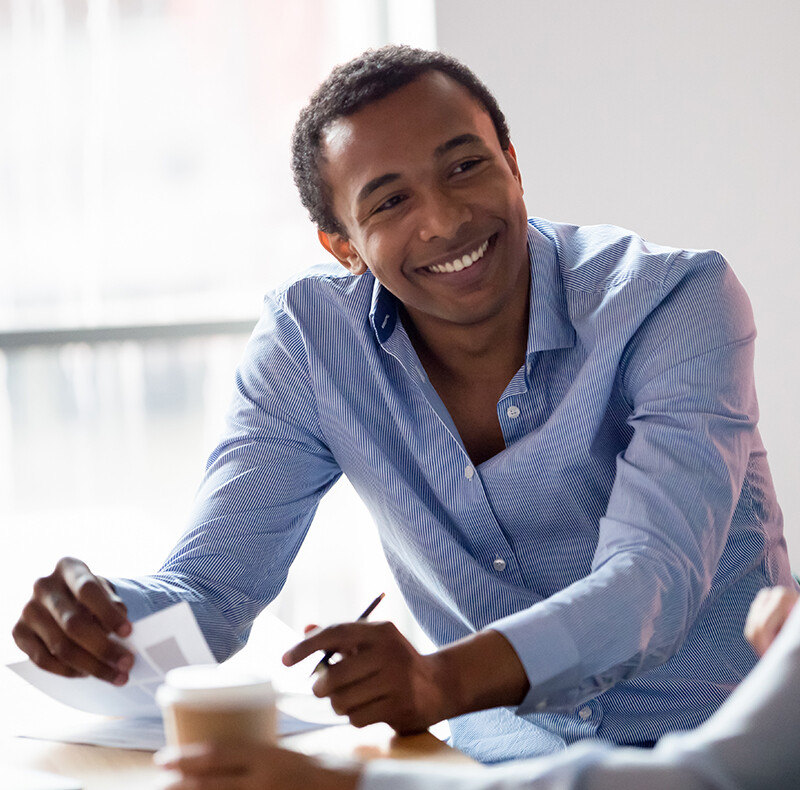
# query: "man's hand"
768,613
380,676
65,626
250,766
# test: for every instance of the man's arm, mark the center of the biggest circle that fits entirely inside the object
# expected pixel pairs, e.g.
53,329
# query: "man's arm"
731,750
381,677
689,378
261,488
687,374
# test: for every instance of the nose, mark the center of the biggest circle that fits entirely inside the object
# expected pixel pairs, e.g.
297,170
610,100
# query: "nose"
442,215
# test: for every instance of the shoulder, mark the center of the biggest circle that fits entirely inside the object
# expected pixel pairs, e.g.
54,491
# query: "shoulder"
617,286
321,285
315,313
599,258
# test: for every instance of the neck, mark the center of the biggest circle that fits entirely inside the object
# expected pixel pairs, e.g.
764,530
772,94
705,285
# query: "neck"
491,349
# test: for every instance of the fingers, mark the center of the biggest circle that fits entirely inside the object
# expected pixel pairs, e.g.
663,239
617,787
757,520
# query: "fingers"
96,595
203,759
65,626
345,638
380,676
342,675
29,642
768,613
353,689
202,766
245,765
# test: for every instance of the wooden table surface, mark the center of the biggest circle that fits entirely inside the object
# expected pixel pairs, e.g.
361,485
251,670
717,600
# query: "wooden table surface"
24,708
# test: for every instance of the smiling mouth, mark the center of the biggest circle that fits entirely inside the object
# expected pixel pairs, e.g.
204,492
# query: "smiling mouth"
464,262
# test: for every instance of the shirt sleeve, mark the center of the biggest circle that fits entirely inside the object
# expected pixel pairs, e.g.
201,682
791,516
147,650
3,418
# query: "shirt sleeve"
750,743
261,488
591,765
687,374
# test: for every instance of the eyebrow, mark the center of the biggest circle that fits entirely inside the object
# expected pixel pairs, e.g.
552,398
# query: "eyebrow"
439,151
376,183
455,142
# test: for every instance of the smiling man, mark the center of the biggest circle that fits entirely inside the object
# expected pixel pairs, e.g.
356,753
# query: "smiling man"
430,203
553,426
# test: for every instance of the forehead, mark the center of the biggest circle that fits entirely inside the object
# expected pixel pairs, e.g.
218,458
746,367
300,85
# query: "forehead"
409,123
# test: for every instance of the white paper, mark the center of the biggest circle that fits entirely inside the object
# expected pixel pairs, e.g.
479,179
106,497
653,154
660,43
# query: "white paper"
160,642
141,733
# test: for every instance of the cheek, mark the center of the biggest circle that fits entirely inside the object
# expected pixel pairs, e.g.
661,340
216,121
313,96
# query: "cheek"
382,251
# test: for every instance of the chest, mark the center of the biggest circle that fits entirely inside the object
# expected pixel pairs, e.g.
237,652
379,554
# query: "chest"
473,410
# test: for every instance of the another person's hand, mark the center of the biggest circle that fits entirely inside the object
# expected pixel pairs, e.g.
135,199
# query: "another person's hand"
250,766
379,677
66,624
768,613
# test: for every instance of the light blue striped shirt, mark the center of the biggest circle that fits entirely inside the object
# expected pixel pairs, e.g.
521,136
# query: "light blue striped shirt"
616,542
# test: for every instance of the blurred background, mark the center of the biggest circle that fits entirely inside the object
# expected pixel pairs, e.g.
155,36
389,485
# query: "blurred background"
146,205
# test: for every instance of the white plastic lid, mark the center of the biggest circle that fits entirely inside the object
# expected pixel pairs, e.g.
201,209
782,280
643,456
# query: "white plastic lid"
211,684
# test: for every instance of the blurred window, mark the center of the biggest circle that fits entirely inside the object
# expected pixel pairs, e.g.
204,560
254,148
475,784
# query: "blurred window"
146,204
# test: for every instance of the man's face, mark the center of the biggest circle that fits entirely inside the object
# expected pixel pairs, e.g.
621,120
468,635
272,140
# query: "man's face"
430,202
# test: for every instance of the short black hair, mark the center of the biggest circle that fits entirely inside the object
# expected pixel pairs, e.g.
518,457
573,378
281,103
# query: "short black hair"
353,85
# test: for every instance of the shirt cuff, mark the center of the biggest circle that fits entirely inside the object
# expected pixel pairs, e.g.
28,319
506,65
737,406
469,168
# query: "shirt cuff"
549,656
133,595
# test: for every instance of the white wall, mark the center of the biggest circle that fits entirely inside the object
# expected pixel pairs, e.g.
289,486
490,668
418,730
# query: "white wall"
680,120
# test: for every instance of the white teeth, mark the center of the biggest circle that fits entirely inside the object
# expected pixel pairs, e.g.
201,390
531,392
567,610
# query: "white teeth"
460,263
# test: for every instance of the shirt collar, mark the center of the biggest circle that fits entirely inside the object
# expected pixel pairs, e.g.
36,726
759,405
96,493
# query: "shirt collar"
383,312
549,326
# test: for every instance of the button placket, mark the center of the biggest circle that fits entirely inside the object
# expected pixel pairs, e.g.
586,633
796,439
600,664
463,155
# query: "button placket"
489,542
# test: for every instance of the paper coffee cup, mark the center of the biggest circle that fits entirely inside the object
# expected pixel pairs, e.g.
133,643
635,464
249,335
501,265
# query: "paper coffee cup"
207,702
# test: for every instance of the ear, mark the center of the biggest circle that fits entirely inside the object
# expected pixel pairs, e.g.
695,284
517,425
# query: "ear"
511,157
343,251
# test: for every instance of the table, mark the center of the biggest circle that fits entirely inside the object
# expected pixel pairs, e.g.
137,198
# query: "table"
101,768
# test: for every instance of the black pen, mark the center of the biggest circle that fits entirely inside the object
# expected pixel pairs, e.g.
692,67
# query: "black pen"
329,654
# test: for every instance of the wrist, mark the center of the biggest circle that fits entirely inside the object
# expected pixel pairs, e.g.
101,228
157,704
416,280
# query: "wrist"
479,672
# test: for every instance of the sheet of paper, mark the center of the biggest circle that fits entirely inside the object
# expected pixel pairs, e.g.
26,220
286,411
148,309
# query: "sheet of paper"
160,642
164,640
142,733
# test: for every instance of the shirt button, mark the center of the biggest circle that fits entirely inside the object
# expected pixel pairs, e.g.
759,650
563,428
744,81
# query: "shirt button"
585,713
499,564
513,412
469,473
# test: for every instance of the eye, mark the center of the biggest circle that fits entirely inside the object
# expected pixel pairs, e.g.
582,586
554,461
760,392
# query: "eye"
467,164
393,201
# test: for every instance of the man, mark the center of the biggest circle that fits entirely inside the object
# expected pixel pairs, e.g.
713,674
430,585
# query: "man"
749,744
554,428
